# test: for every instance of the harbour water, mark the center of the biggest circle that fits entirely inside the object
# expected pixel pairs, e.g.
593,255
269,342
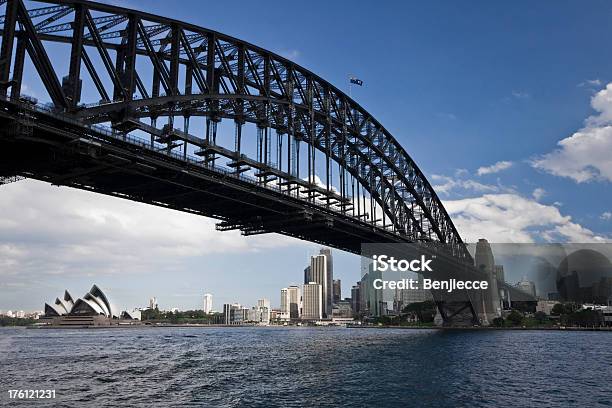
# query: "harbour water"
267,367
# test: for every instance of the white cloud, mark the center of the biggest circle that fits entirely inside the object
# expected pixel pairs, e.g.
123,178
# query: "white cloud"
447,184
461,172
538,193
514,218
495,168
520,94
606,216
590,82
586,155
50,230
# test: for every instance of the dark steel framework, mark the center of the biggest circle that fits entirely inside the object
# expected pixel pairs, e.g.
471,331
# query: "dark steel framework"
147,68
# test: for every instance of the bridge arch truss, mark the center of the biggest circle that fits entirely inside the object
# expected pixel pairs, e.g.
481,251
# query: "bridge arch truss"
178,85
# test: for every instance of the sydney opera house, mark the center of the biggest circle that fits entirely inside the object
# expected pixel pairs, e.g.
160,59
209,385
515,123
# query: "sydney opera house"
93,309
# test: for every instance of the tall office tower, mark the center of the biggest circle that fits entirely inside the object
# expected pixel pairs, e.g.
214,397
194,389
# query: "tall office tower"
499,273
329,295
372,299
313,301
153,303
319,274
295,302
355,299
264,307
285,312
485,262
208,306
337,285
363,288
307,275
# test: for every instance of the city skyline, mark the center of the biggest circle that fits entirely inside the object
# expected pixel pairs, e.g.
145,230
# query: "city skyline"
483,256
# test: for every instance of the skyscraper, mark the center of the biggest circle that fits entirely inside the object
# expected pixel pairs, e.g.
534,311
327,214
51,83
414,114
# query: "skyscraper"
355,299
153,303
307,275
295,302
313,301
337,291
329,296
320,273
285,312
372,299
208,305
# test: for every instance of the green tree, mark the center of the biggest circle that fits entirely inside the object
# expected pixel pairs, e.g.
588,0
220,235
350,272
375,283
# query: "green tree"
564,308
498,322
515,318
557,309
583,317
540,317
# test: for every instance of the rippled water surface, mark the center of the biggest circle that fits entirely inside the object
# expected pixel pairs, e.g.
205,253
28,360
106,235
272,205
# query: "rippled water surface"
268,367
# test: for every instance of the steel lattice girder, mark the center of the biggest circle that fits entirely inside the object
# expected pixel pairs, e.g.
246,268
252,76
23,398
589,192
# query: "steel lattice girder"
233,80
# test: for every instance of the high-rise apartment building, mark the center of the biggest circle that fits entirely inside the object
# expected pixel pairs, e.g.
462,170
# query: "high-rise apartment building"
312,301
208,305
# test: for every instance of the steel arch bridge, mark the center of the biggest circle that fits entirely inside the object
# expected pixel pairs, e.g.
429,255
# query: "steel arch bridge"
165,112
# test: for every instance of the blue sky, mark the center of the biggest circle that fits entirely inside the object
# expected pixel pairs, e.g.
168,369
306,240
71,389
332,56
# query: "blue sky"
463,86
